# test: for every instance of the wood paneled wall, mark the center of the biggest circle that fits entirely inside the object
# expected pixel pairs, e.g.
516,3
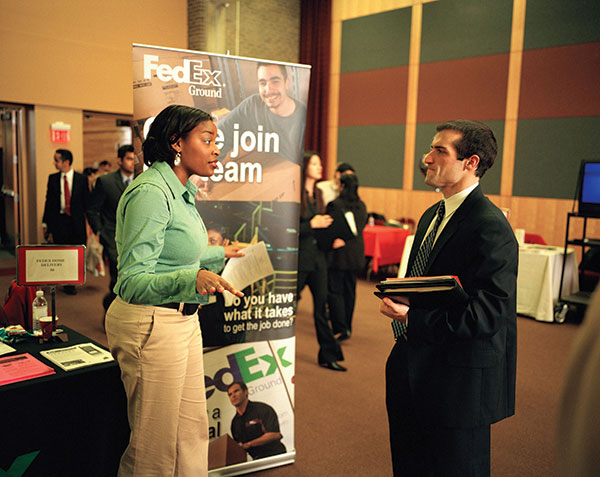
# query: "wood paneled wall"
546,217
102,137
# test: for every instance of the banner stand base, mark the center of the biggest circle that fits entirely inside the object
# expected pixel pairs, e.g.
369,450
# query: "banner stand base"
255,465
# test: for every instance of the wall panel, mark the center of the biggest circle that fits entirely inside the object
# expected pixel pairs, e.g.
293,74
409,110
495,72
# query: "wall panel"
543,93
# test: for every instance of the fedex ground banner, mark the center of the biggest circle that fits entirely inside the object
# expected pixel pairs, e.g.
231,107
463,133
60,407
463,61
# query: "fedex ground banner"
253,199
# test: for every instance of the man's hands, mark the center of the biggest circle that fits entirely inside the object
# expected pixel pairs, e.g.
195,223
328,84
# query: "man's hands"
47,235
209,282
395,310
338,243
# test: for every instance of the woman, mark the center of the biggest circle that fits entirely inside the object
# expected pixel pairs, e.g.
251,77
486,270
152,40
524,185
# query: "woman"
152,325
347,257
312,264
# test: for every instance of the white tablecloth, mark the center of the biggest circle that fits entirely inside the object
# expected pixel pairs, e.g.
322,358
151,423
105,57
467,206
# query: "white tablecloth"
538,280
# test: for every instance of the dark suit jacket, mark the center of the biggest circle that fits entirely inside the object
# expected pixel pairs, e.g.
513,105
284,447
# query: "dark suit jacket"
310,256
462,358
352,255
52,216
103,207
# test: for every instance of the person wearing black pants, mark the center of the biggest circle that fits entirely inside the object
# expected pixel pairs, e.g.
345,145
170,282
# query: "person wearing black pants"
312,263
347,257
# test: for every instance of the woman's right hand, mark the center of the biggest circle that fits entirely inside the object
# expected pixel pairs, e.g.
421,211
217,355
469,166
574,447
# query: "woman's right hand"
209,282
321,221
232,250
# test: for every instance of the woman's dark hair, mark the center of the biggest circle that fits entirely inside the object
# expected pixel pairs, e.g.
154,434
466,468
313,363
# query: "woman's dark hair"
172,123
316,192
349,193
88,171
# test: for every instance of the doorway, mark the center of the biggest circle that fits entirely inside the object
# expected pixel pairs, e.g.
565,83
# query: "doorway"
13,152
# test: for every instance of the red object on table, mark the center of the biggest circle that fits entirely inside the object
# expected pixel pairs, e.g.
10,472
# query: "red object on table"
384,244
535,239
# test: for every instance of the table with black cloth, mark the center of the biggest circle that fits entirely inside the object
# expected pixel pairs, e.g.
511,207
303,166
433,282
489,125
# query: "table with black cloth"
77,420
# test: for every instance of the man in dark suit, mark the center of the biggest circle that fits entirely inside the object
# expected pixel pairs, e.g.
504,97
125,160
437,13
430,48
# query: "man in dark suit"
452,371
103,207
66,201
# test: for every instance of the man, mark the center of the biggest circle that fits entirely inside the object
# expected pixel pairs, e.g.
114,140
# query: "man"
66,201
104,167
272,110
255,426
103,207
452,371
330,190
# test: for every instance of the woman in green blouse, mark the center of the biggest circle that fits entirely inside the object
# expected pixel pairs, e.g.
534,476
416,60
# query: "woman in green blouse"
152,326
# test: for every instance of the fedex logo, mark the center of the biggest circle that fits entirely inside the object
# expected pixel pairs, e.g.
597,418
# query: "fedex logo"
244,366
191,72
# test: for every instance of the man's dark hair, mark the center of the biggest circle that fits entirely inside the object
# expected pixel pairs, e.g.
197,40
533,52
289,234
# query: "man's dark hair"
104,163
172,123
241,384
281,67
477,138
344,167
65,155
124,150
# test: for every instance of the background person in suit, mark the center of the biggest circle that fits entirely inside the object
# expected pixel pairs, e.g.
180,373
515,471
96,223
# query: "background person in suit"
102,211
66,202
453,373
347,257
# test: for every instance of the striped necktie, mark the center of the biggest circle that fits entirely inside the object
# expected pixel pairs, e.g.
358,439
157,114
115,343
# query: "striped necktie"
418,267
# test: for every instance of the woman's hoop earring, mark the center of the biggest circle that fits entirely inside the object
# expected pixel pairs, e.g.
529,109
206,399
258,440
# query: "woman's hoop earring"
177,159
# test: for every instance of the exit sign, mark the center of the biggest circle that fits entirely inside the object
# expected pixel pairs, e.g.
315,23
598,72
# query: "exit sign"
60,132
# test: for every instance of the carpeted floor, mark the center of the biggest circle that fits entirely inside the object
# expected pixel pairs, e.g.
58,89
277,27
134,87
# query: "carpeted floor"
341,426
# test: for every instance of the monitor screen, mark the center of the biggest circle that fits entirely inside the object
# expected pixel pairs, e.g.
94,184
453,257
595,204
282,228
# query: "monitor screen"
589,188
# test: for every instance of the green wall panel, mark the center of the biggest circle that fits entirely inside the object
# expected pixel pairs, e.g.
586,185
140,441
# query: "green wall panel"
561,22
548,154
490,182
376,41
465,28
375,152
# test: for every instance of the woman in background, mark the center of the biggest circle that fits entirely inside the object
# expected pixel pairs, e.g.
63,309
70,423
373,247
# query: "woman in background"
312,263
347,257
152,326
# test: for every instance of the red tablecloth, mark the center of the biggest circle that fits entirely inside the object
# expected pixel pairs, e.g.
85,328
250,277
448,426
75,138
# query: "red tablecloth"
384,244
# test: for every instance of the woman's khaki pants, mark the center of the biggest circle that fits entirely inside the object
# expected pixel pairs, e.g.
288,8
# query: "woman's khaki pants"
159,351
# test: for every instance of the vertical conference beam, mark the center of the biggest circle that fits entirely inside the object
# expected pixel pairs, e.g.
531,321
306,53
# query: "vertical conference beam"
512,97
412,95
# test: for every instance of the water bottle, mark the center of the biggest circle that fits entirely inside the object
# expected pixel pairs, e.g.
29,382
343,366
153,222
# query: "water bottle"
39,309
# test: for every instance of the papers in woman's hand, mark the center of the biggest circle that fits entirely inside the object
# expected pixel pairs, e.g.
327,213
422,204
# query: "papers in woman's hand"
243,271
